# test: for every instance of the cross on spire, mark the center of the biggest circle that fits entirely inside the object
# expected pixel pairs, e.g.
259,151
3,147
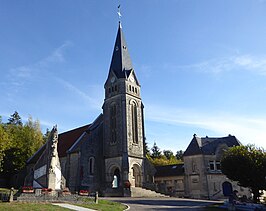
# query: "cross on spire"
119,12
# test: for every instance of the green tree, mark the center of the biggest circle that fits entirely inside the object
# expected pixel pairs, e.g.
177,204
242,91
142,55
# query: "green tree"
46,135
179,155
247,166
22,141
156,153
168,154
158,159
15,119
4,144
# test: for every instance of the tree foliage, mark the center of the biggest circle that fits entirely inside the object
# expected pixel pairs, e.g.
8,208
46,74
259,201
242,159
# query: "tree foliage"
18,142
156,153
157,158
179,155
247,166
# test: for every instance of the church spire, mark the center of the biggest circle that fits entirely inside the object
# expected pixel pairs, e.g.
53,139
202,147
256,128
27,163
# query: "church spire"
121,64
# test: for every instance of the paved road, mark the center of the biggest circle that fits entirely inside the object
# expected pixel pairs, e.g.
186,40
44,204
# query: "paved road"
163,204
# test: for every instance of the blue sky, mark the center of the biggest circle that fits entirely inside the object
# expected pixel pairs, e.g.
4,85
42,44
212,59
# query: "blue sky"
201,64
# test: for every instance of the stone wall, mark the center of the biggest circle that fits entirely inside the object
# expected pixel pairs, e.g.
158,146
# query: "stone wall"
73,171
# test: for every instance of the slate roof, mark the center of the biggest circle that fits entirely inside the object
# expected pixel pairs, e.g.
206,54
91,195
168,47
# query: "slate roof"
65,142
75,147
208,145
121,63
169,170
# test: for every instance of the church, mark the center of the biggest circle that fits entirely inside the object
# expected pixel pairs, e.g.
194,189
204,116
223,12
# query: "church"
108,155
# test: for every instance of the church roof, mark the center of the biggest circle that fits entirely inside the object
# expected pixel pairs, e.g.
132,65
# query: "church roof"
75,147
169,170
65,142
208,145
68,138
121,64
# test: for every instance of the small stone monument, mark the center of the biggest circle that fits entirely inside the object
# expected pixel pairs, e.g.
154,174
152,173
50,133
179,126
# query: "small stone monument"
47,170
11,195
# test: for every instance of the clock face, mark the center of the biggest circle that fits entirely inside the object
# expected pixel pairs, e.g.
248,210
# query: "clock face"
131,78
113,79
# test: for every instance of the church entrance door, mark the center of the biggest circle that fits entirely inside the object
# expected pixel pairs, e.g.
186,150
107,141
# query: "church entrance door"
116,179
136,176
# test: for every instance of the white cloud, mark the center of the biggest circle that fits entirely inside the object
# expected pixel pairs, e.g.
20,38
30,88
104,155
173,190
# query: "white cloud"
252,63
246,129
92,102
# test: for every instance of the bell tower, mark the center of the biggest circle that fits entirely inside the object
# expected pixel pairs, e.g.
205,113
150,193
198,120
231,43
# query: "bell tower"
123,130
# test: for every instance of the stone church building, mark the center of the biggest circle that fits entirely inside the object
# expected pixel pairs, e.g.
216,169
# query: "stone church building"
109,153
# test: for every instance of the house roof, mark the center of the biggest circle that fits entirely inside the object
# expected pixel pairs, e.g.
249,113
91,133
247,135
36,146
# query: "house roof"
169,170
208,145
121,64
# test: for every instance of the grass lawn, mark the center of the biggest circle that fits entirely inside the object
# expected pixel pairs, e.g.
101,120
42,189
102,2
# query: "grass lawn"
103,205
17,206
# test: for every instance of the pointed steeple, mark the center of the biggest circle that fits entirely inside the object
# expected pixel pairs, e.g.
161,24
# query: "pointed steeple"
121,63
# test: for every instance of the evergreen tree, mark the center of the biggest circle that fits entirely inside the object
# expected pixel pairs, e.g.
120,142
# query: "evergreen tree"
15,119
156,153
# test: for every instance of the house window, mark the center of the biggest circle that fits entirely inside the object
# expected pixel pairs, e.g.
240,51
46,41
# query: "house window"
218,165
113,123
194,166
134,123
211,164
116,88
129,87
91,166
215,165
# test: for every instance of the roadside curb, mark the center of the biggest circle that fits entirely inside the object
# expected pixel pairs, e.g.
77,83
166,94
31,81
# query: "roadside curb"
128,207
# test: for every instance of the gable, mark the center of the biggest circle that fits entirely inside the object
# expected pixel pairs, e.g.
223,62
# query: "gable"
68,138
65,141
209,145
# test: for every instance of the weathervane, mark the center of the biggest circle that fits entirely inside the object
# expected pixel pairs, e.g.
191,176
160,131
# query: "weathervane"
119,13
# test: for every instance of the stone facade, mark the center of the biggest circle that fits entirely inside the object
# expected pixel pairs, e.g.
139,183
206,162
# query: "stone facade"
109,153
201,177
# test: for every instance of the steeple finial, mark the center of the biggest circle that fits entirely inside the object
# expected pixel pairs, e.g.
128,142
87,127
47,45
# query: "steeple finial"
119,13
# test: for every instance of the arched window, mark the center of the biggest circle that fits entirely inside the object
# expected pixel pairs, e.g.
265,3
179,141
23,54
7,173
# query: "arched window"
113,123
91,165
134,123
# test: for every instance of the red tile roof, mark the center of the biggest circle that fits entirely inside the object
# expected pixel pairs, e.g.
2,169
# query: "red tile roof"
68,138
